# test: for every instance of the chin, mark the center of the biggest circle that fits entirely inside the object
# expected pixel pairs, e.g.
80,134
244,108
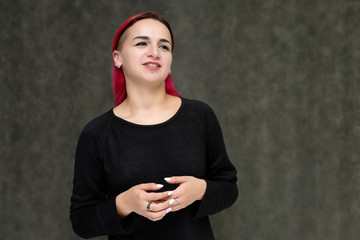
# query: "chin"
155,78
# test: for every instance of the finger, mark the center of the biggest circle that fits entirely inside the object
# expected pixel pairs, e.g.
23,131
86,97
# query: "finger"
176,180
156,216
157,196
176,204
148,206
150,186
160,206
173,202
168,196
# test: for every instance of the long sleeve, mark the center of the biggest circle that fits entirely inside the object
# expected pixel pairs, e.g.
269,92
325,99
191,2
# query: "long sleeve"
92,213
114,155
221,191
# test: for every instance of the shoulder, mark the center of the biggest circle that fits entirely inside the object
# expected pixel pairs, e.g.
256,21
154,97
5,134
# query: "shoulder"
197,106
98,126
200,110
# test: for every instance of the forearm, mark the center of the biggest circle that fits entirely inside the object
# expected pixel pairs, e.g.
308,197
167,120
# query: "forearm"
96,220
202,185
122,208
218,196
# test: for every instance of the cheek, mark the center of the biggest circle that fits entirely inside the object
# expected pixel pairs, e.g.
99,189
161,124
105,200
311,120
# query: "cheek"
169,60
129,60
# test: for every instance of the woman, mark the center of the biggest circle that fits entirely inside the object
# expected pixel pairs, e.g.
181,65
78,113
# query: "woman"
155,166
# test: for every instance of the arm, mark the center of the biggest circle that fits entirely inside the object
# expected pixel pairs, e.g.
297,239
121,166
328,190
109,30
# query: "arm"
92,213
221,191
218,189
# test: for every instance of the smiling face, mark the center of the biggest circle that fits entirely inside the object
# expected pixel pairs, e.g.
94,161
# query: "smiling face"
144,52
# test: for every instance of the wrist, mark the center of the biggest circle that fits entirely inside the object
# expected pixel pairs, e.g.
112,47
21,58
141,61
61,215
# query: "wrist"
121,206
202,191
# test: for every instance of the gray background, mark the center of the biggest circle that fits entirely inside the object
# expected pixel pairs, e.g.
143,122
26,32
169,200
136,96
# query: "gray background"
282,76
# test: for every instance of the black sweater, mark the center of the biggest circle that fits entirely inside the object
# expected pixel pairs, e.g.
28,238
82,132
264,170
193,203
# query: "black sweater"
113,155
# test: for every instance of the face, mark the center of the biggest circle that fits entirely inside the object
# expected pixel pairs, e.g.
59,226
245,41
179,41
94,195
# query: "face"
144,52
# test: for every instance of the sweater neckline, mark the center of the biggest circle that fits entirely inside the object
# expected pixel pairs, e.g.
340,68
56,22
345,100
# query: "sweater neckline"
149,125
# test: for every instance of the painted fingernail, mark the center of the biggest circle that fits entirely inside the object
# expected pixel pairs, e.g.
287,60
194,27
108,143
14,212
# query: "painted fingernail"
170,193
159,185
168,210
171,201
167,179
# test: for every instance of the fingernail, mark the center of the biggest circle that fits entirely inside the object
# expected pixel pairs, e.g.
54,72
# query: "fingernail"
167,179
168,210
159,185
170,193
171,201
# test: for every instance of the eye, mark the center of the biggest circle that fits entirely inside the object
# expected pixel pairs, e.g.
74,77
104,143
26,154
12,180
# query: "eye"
164,47
142,44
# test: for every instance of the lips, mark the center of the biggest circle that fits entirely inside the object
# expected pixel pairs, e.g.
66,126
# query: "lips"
153,66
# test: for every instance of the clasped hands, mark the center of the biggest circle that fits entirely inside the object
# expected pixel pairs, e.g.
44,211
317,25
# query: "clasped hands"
155,205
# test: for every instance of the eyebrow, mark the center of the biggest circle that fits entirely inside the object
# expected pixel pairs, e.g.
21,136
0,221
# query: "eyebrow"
147,38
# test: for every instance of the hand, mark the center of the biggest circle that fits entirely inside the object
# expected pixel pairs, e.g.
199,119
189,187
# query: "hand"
137,198
189,190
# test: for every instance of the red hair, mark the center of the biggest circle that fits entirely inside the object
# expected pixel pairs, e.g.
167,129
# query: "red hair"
118,77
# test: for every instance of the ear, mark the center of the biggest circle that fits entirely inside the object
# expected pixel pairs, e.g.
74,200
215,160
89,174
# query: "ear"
117,58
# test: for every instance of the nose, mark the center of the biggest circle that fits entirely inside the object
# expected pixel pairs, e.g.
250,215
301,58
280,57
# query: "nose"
153,51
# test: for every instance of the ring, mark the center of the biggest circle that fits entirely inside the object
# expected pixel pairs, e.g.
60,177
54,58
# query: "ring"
176,202
148,206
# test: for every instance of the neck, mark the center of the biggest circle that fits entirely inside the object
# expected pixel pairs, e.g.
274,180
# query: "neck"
145,99
147,105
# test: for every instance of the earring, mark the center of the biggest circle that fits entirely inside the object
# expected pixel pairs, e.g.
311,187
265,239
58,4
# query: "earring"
169,71
118,66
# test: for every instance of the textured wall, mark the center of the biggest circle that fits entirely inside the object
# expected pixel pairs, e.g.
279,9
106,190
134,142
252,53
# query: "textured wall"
282,76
